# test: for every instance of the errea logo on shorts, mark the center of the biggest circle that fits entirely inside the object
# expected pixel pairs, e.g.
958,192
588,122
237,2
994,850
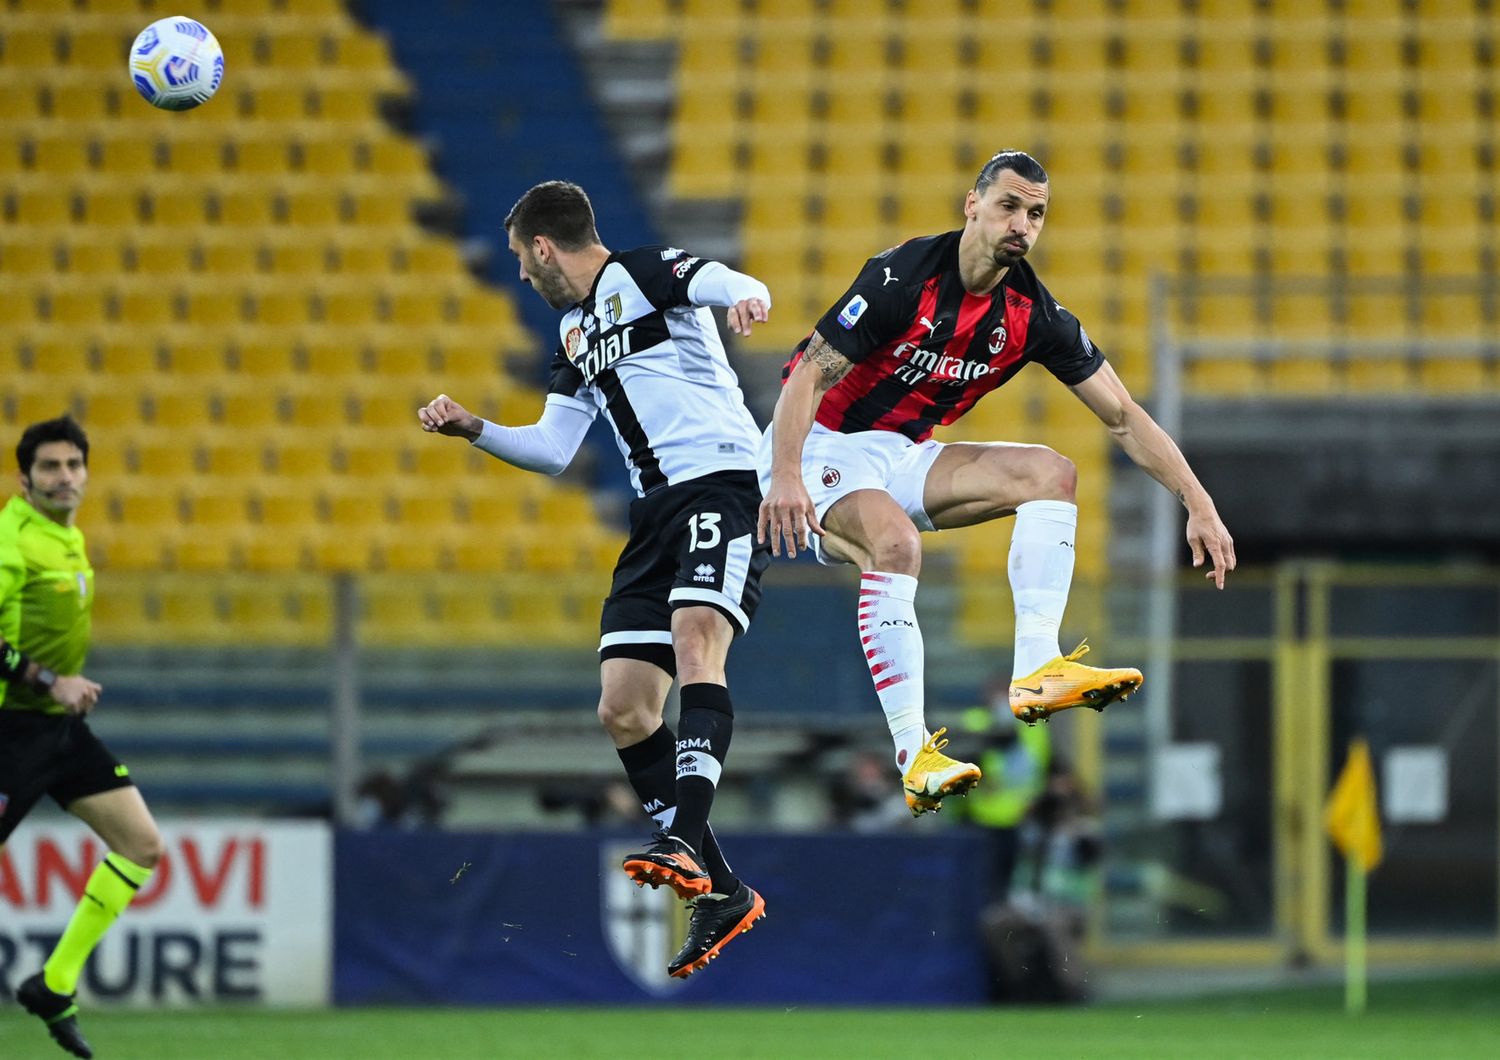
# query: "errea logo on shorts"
704,572
850,314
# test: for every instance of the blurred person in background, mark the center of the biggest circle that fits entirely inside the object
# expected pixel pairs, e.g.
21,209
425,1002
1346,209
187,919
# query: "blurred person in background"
639,343
927,329
1015,759
46,745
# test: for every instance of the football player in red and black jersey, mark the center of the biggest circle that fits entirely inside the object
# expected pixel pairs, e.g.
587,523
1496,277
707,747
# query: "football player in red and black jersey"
927,329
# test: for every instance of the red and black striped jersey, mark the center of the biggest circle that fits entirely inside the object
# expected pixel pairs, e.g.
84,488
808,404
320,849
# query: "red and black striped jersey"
925,349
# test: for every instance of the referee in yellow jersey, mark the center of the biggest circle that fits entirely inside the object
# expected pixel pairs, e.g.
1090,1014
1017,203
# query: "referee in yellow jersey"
46,746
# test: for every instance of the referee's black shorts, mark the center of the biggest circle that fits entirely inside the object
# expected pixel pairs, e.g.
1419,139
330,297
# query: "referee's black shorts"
50,754
692,544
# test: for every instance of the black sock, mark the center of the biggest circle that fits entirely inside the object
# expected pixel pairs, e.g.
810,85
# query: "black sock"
651,768
703,734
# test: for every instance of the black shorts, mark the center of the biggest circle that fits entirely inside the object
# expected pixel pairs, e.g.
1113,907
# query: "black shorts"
691,545
50,754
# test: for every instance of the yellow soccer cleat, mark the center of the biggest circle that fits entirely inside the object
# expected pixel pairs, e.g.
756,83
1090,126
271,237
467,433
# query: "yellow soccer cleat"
1064,683
933,776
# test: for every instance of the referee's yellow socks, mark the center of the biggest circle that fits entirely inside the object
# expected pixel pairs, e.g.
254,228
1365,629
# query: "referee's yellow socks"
105,897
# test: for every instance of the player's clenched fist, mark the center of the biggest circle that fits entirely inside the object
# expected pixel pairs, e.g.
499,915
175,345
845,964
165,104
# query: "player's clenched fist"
745,312
443,415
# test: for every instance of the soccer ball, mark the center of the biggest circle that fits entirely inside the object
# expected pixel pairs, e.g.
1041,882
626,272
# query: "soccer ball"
176,63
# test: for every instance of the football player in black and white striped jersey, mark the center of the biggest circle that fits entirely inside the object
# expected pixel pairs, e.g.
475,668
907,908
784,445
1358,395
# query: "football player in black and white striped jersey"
638,341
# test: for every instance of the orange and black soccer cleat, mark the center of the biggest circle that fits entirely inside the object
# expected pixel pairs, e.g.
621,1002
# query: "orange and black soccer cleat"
1065,683
715,921
933,776
668,861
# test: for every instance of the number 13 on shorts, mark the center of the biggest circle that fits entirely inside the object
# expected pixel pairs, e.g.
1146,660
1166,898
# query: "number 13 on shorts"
703,531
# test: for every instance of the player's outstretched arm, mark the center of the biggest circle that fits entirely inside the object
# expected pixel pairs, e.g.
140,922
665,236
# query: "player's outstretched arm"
1154,451
546,446
787,512
443,415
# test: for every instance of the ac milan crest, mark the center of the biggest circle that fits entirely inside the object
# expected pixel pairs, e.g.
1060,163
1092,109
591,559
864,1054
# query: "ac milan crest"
831,477
997,340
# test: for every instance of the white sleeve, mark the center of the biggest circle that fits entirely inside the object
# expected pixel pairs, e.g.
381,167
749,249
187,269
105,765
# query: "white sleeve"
548,445
717,284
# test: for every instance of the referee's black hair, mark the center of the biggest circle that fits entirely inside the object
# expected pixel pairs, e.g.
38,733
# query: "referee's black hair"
557,209
63,429
1025,167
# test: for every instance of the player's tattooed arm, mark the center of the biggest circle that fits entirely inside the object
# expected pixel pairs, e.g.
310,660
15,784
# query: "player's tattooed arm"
830,363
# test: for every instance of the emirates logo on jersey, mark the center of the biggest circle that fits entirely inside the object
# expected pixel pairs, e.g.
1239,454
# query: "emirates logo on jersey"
573,344
997,341
831,477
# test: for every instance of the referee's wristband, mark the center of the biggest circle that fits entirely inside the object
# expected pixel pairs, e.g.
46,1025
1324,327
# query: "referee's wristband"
13,664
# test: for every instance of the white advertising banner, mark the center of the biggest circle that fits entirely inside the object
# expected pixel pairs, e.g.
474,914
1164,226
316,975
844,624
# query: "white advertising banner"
237,911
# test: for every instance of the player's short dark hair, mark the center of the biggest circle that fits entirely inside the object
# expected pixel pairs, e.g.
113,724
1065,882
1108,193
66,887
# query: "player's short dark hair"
557,209
1024,166
63,429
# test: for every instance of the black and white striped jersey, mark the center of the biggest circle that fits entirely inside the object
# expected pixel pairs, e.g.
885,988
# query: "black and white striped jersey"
639,348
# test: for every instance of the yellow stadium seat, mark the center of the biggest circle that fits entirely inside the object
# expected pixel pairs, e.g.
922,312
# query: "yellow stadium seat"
282,308
111,208
293,51
147,308
162,259
64,156
246,410
1455,375
265,360
88,102
245,209
29,47
186,410
279,104
350,106
313,208
180,210
126,358
44,208
380,208
83,308
28,256
298,259
231,259
351,308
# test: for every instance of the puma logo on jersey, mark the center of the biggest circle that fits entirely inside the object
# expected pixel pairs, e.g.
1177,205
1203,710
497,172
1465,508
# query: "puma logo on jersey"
931,326
889,278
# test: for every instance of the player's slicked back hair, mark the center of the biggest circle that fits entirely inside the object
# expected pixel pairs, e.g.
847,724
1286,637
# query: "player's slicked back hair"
1024,166
63,429
557,209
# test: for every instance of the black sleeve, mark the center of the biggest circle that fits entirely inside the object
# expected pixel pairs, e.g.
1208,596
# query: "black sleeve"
564,377
871,313
1057,341
663,274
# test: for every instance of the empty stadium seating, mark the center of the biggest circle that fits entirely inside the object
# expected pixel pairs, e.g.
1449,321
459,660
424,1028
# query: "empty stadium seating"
239,304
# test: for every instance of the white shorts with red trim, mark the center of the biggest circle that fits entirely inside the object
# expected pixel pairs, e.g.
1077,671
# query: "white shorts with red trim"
834,465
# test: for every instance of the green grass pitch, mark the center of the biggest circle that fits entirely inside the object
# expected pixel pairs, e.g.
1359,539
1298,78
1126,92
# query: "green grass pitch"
1426,1019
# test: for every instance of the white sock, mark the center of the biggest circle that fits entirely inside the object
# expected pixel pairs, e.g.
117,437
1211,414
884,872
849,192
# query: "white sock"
1041,569
892,641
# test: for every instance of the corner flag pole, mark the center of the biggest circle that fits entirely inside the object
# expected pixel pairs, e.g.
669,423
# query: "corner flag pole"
1354,937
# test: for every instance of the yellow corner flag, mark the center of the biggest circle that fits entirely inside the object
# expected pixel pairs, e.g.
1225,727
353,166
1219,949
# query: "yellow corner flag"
1351,816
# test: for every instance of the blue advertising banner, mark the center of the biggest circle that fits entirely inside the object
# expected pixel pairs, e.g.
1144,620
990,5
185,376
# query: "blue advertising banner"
465,918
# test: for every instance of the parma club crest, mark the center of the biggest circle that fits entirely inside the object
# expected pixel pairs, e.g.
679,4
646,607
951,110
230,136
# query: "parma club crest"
574,344
643,927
